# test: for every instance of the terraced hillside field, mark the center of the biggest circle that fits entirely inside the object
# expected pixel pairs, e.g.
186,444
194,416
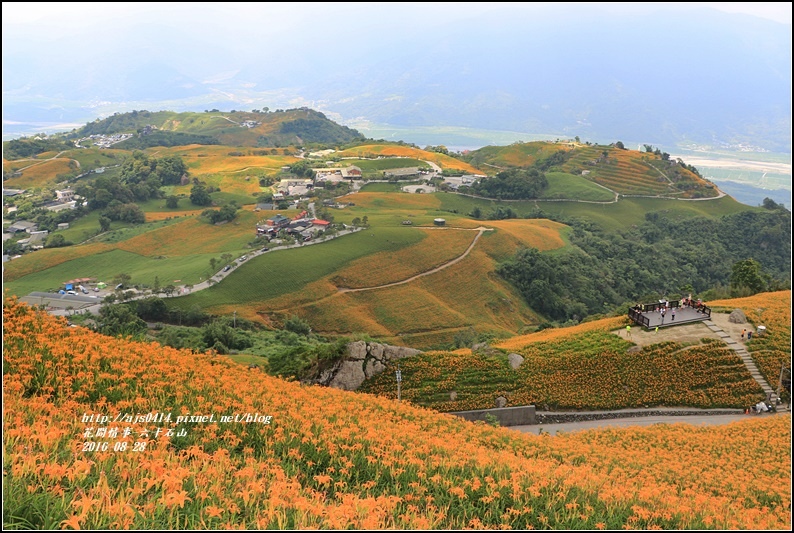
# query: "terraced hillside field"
336,460
631,172
582,370
772,351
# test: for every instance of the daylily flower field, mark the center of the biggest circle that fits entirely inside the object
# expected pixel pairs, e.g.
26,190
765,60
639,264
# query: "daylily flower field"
332,459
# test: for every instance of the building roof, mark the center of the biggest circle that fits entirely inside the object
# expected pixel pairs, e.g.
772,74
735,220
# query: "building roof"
279,219
318,222
409,171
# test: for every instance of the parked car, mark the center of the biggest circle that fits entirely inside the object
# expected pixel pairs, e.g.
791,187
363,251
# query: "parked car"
265,249
243,258
72,293
227,268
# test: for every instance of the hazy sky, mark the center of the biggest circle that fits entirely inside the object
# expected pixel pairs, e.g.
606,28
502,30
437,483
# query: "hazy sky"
64,14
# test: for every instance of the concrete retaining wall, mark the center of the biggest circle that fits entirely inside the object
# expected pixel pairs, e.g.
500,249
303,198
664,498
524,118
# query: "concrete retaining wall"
507,416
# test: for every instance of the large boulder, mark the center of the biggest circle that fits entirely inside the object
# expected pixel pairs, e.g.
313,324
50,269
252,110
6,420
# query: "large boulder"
376,351
634,349
501,401
373,367
350,376
399,352
453,396
515,360
357,350
737,317
480,346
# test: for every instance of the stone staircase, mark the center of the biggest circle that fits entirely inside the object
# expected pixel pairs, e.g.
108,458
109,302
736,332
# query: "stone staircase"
771,396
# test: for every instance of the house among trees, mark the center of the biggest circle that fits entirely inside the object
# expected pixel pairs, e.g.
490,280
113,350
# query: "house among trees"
278,221
351,173
22,225
64,195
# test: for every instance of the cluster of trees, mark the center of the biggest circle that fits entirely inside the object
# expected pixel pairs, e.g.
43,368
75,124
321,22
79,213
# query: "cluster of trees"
513,184
225,214
165,138
30,146
303,169
167,170
200,195
660,257
140,178
318,129
500,213
118,122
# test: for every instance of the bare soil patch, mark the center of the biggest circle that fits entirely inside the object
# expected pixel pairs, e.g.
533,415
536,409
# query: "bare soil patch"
686,333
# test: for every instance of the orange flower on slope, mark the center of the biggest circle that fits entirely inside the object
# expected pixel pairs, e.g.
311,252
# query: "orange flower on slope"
213,511
176,498
72,522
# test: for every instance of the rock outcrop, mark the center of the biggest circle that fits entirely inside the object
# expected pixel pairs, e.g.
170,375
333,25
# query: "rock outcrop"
737,316
515,360
362,361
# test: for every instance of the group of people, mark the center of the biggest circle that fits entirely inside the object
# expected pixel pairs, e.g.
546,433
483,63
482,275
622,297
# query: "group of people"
748,333
689,302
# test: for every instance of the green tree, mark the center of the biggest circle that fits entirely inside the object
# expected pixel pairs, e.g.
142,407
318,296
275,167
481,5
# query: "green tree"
122,279
104,224
199,195
56,241
172,202
120,320
297,325
748,274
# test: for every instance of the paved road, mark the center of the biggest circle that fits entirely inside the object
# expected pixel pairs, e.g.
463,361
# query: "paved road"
697,420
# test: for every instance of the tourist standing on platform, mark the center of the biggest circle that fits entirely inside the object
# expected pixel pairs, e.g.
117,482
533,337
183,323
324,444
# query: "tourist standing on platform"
672,313
743,333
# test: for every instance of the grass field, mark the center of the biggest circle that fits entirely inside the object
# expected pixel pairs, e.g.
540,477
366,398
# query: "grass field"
568,186
40,174
518,154
283,272
395,150
436,248
105,265
610,217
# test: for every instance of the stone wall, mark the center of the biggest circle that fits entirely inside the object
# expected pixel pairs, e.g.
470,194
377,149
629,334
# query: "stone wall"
522,415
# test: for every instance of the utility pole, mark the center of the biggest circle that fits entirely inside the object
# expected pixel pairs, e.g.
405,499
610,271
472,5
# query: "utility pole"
235,319
399,381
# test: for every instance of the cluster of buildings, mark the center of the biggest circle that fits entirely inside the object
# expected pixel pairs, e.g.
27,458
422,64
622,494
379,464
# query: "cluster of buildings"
301,227
105,141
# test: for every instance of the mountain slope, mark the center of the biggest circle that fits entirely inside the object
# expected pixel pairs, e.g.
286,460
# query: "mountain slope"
332,459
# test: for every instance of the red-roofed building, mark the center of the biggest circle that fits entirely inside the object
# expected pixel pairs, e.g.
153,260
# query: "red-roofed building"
321,223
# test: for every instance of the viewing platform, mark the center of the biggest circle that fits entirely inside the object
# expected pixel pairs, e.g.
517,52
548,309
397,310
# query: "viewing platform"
649,315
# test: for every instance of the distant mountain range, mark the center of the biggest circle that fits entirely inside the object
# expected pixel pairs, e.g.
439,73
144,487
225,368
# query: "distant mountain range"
663,78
